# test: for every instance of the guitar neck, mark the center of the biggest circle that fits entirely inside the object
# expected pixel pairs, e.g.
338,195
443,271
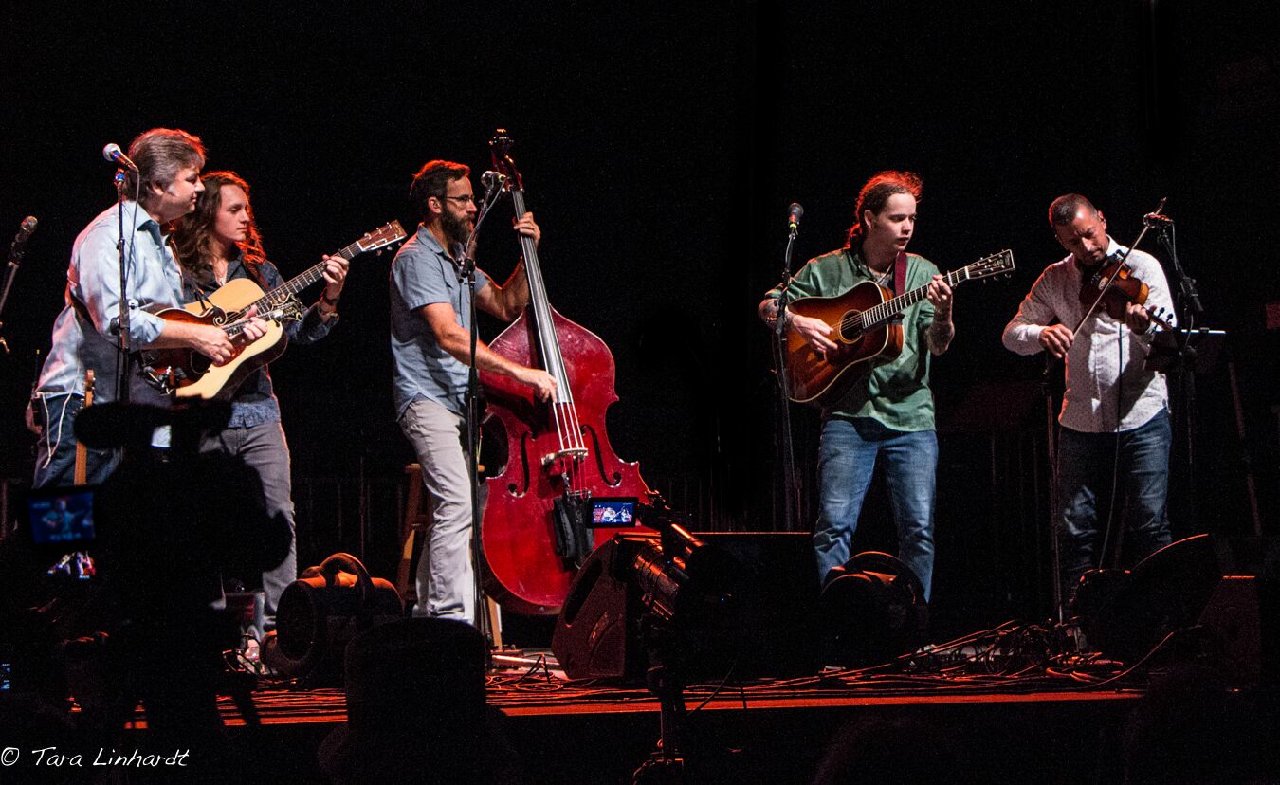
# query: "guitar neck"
878,314
304,279
235,328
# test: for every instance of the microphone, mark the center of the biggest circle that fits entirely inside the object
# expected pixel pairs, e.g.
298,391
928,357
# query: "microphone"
794,212
112,153
492,181
1157,219
20,239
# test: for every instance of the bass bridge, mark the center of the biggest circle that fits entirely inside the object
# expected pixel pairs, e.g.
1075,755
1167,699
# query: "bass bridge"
576,454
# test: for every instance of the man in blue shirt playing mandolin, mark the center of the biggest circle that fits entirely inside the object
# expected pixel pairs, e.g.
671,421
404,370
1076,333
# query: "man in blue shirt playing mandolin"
164,187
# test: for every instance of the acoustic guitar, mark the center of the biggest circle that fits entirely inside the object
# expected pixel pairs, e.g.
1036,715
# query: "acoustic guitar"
864,331
186,373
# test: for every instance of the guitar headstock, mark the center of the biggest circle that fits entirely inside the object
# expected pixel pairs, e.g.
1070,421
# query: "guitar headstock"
381,237
996,264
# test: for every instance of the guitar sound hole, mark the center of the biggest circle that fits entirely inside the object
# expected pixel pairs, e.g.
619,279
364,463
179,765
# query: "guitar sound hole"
847,328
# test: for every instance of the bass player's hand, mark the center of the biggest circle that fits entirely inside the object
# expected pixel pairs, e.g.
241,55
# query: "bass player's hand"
527,227
543,383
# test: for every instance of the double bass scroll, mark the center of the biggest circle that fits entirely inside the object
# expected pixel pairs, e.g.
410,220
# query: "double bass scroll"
536,529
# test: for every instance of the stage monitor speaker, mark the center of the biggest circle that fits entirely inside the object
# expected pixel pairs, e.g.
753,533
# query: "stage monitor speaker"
1226,585
1126,615
767,631
1239,621
872,610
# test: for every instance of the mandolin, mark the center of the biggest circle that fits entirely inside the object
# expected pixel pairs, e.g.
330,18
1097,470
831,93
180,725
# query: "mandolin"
185,373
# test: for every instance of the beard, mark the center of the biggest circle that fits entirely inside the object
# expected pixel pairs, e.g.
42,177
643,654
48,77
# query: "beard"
456,229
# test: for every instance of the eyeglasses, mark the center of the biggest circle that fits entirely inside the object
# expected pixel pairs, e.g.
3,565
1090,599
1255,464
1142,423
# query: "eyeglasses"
465,198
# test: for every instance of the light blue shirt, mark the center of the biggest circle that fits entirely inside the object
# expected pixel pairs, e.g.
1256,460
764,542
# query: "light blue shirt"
422,274
84,339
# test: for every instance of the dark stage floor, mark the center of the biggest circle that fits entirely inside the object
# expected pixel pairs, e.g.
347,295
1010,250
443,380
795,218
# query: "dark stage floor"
1042,726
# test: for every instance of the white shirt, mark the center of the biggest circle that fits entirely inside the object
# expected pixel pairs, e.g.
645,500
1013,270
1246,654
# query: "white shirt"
1108,388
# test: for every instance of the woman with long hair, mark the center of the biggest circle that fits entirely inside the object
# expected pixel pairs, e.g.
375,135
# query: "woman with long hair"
217,243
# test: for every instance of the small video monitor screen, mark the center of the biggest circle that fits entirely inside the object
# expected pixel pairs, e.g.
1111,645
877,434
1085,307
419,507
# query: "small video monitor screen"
61,516
613,513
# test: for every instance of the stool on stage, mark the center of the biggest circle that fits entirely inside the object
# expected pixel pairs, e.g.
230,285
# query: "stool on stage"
415,521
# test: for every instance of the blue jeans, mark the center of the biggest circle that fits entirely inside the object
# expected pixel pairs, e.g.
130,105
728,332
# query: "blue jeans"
847,456
1136,464
56,448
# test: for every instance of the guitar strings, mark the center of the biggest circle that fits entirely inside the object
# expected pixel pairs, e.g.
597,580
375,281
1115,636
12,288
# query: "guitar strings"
564,410
883,311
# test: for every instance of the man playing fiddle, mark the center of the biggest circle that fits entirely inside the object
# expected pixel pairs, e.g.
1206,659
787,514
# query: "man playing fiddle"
1113,446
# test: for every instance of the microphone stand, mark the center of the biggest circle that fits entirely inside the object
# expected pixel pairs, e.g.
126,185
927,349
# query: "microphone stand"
16,250
122,318
467,275
786,444
1189,309
1051,447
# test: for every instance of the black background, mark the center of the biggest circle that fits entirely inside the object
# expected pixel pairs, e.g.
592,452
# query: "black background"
660,147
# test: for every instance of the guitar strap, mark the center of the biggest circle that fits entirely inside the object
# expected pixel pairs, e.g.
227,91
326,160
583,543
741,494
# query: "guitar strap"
899,273
255,272
193,283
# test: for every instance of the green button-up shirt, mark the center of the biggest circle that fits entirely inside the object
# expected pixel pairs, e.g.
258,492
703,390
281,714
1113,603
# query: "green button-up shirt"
896,393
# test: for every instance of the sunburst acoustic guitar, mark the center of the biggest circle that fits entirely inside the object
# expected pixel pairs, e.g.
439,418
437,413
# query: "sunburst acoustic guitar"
864,330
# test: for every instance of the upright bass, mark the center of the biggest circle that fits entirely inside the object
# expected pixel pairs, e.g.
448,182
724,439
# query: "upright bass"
537,526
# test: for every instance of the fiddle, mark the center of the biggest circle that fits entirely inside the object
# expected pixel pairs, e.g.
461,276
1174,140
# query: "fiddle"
1113,286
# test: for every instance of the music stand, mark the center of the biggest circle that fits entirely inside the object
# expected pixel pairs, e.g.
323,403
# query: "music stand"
1177,352
1185,350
